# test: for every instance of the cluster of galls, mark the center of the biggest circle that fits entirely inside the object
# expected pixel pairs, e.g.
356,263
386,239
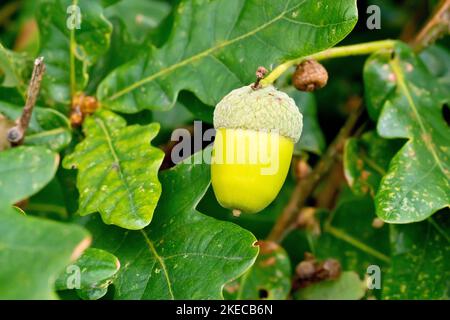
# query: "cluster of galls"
311,271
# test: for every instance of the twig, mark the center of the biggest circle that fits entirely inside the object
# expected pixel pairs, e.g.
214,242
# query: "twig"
17,133
437,26
305,187
336,52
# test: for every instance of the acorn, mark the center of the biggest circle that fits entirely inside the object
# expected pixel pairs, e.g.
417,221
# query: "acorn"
256,129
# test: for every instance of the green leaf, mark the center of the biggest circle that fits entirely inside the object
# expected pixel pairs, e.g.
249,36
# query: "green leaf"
47,127
15,69
420,260
69,53
115,56
269,278
312,138
349,236
24,171
347,287
91,274
417,183
437,60
49,202
118,170
217,46
366,161
379,84
33,252
140,17
259,224
182,254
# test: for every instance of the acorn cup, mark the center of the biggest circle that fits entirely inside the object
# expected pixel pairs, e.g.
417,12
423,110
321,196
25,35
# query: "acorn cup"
256,132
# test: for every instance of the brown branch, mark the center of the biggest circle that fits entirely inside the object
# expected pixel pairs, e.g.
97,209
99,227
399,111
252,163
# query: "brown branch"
17,133
437,26
305,187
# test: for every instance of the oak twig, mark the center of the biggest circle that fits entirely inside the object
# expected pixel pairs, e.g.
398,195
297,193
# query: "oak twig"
17,133
437,26
306,186
335,52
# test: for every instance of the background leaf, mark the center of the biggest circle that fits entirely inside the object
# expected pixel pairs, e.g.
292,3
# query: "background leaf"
246,35
15,69
418,180
24,171
350,237
366,161
47,127
97,270
69,53
48,203
269,278
118,170
170,258
140,17
420,260
437,60
33,252
347,287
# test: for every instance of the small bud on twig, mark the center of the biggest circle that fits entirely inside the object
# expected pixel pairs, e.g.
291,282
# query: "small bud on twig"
17,133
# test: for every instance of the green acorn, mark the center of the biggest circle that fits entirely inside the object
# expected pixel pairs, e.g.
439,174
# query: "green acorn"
256,132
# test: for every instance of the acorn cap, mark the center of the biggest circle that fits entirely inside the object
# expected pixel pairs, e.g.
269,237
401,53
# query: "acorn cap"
265,109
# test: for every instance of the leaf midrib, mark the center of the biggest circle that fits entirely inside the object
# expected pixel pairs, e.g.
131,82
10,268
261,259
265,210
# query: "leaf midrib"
116,159
395,64
160,261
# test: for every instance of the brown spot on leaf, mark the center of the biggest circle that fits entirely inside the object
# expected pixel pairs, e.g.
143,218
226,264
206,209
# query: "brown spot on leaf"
409,67
232,287
392,77
426,138
268,262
